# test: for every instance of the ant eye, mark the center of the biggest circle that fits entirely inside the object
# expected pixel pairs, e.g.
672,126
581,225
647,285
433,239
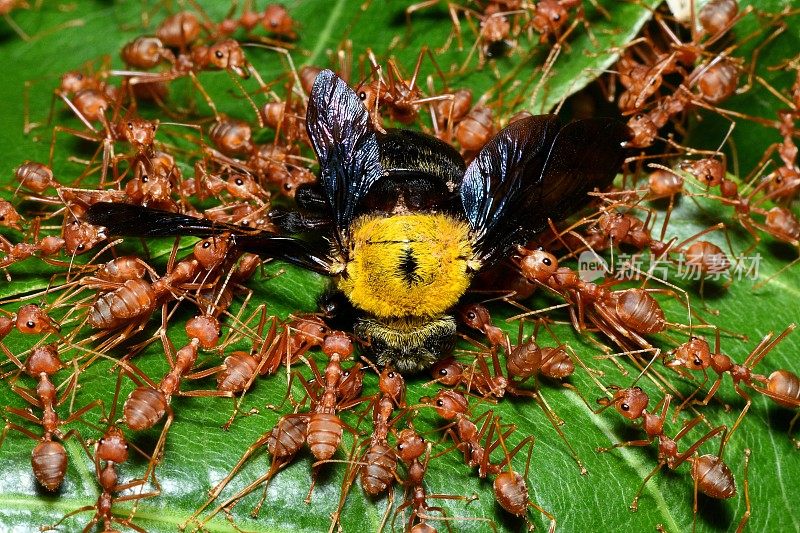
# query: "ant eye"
442,371
206,244
239,181
287,186
439,403
145,179
547,261
697,361
471,315
219,54
81,246
625,407
30,323
362,95
400,446
2,217
390,375
130,125
556,17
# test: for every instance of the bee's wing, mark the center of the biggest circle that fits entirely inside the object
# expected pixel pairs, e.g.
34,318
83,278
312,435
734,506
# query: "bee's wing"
535,170
586,155
500,180
137,221
346,145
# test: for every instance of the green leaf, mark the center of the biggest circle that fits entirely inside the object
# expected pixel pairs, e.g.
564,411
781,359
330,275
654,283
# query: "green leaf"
199,453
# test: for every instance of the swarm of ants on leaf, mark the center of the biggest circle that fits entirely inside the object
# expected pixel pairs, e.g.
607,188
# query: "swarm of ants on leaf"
375,286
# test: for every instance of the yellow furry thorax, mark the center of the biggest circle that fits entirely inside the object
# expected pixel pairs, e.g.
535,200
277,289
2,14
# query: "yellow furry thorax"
416,264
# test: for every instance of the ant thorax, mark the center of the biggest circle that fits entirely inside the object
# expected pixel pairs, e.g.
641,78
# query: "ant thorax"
407,265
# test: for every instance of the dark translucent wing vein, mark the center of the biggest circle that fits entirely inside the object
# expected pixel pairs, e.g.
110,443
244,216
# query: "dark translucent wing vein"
346,146
289,249
137,221
586,155
504,177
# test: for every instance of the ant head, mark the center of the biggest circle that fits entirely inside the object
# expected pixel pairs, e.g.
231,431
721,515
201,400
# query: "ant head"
204,328
695,354
450,404
43,360
310,330
32,319
538,265
475,316
448,372
351,383
392,384
631,402
9,216
140,132
211,251
80,237
277,19
337,342
72,82
410,445
112,446
228,54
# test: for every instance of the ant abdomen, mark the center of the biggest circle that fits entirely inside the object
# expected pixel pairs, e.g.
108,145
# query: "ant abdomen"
144,408
122,269
135,298
511,492
378,474
556,363
287,436
787,384
524,360
640,311
238,369
422,527
324,435
713,477
49,463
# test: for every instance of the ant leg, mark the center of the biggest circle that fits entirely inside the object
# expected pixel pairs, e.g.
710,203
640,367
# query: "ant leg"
158,450
791,429
625,444
554,421
748,401
20,429
635,503
746,515
688,401
73,513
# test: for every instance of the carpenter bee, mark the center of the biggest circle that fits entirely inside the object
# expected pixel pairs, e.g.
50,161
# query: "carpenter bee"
404,223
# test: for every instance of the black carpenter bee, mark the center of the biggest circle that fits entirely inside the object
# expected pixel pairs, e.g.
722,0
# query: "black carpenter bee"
404,223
